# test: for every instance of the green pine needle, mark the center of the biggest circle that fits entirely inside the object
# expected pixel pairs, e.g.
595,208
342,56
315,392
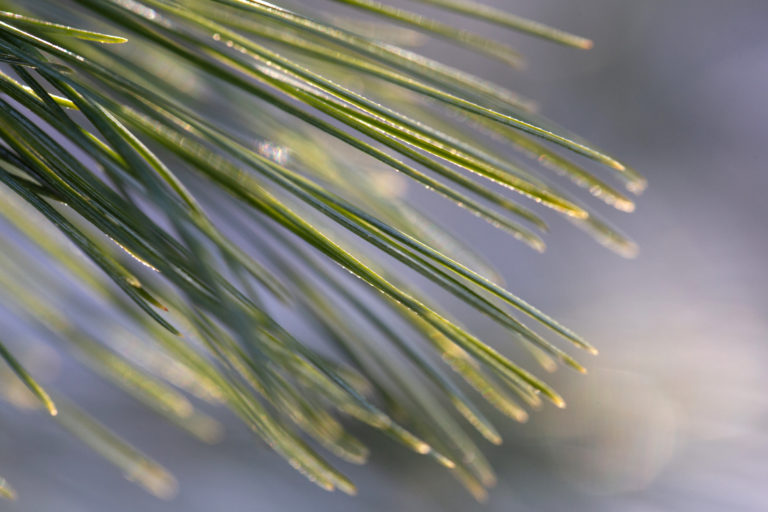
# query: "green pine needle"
6,491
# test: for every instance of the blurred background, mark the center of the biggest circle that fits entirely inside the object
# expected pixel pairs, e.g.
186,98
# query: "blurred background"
672,415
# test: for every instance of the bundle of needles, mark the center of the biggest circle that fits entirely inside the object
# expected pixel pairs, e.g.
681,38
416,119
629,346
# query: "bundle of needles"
184,183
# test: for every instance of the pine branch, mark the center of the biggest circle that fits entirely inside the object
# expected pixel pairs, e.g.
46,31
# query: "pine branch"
193,164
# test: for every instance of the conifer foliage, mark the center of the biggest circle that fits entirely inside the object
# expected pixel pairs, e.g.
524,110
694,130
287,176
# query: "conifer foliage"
184,183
